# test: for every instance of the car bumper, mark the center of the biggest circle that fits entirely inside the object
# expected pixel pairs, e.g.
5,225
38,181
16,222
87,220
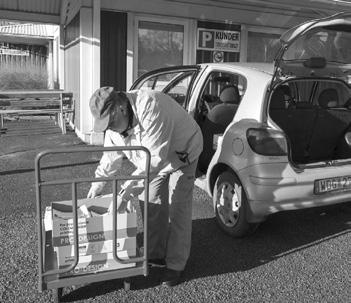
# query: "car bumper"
275,187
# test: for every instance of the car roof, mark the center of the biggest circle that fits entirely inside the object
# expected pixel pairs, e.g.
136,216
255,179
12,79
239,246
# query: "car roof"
267,68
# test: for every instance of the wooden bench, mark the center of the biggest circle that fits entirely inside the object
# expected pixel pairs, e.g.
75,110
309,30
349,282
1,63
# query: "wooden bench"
37,102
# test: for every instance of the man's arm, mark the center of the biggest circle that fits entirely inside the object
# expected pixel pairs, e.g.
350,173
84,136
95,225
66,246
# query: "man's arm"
109,164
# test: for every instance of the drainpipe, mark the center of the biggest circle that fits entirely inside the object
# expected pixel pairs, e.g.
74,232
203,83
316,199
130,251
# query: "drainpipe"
49,66
96,138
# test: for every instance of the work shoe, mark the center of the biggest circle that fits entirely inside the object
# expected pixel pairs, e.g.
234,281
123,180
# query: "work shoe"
157,263
171,277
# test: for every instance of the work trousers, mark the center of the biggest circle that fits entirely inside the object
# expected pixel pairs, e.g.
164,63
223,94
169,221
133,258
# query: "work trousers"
170,216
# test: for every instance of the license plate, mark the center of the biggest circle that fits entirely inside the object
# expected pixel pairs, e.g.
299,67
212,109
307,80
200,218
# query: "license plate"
332,184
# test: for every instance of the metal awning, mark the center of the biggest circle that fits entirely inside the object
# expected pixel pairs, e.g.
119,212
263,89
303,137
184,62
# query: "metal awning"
27,33
304,8
44,11
54,11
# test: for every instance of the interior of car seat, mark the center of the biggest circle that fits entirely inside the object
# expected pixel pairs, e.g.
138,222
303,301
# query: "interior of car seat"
328,98
297,123
230,95
315,130
277,99
217,120
327,128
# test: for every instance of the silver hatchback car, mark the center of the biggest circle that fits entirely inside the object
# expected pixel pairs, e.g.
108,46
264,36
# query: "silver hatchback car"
276,136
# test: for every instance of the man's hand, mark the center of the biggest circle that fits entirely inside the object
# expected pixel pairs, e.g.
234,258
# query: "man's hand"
95,189
93,192
124,198
122,205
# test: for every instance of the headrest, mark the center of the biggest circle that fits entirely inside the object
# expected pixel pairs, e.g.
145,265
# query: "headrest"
277,100
230,94
332,103
328,96
222,113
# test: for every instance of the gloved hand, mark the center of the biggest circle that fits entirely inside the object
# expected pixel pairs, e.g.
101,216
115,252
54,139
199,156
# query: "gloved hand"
94,191
122,205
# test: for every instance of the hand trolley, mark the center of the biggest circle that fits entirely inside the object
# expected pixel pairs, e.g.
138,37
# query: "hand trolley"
51,277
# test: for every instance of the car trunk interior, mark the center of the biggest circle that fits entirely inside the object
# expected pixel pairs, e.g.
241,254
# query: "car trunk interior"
315,115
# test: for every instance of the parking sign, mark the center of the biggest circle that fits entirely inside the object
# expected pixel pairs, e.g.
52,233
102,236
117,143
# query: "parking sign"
205,39
218,40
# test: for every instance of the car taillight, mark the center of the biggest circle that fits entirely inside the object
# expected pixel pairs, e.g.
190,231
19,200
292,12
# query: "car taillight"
268,142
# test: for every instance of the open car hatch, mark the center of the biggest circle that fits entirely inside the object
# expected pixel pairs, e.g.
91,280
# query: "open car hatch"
317,48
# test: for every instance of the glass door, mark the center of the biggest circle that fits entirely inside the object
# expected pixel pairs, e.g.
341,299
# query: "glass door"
159,44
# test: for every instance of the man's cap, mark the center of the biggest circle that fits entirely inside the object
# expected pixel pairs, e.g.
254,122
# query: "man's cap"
100,105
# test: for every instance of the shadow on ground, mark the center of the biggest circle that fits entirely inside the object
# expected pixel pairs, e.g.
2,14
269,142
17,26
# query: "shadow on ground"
214,253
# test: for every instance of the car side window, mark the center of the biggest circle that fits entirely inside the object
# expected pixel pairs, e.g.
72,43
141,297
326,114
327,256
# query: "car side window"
175,84
213,90
178,89
301,94
158,82
310,93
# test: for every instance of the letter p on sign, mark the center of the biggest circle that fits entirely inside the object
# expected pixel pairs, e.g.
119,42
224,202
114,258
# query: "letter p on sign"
206,39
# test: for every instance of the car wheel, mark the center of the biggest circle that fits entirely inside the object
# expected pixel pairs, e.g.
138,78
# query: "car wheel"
230,204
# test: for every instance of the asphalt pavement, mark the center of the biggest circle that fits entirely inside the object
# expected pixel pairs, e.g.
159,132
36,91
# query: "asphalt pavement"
300,256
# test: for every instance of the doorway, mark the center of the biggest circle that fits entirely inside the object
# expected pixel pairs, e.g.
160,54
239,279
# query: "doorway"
113,59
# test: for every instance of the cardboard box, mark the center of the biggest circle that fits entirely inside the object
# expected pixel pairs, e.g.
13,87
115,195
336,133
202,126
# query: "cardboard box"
90,248
97,263
90,229
94,229
95,234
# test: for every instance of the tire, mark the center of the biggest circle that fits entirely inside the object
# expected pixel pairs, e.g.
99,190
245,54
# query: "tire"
230,203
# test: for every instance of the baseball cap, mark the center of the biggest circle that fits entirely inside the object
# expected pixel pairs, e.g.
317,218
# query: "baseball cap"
100,105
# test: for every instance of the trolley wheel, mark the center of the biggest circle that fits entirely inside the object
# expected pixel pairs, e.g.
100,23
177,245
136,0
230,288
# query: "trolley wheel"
57,294
126,284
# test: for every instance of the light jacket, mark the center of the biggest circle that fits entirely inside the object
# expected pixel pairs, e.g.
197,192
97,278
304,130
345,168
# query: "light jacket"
164,128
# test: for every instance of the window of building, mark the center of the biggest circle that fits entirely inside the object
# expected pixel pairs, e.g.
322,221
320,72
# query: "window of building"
262,47
159,45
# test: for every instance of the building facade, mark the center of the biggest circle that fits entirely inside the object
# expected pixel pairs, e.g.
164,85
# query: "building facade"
112,42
